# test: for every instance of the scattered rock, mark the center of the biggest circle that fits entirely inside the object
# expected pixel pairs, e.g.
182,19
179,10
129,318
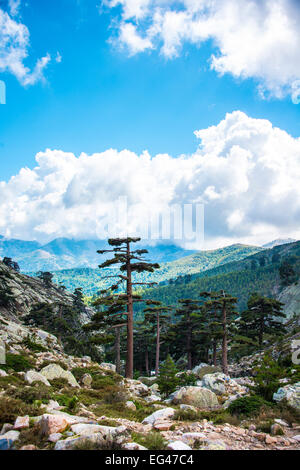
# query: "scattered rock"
51,424
178,445
5,428
162,425
56,436
270,440
276,429
29,447
130,405
108,366
133,446
8,439
291,393
136,388
87,380
188,407
22,422
3,373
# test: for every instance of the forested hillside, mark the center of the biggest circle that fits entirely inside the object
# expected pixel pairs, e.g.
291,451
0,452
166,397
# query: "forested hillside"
257,273
91,280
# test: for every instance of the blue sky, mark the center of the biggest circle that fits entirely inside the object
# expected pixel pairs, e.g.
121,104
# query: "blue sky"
100,97
145,75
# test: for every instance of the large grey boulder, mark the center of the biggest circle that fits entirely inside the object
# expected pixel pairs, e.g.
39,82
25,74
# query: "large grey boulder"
92,438
54,371
291,393
165,413
196,396
34,376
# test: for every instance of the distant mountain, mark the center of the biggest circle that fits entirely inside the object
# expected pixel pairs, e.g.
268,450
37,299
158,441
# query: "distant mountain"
91,280
279,241
64,253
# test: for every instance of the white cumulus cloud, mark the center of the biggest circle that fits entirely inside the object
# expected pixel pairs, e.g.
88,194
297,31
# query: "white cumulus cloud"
257,39
245,171
14,48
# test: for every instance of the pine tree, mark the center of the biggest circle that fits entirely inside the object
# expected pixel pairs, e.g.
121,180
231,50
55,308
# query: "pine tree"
188,312
124,256
223,307
157,314
167,380
46,277
261,318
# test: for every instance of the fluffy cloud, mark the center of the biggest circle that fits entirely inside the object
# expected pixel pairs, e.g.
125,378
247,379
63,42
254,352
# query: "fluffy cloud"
257,39
14,6
14,46
245,171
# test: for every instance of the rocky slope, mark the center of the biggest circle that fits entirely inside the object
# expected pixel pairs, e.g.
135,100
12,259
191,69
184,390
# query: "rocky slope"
53,400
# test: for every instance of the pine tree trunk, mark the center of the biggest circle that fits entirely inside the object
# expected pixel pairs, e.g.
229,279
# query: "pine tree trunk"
129,359
157,345
117,350
189,347
215,353
260,335
224,342
147,362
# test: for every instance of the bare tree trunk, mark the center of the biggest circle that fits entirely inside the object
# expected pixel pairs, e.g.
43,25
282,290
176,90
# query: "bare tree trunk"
147,362
157,345
224,341
189,346
129,359
117,350
215,353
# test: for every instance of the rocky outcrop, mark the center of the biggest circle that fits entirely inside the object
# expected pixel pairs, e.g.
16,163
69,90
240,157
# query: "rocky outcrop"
54,371
290,393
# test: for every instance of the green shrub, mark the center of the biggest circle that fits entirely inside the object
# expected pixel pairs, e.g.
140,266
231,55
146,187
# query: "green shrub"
69,402
167,380
186,379
33,437
102,382
152,441
30,395
6,382
11,408
17,362
59,383
266,378
33,346
247,406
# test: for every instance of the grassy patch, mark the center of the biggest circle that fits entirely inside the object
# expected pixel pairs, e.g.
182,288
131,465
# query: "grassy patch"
152,441
11,408
217,416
